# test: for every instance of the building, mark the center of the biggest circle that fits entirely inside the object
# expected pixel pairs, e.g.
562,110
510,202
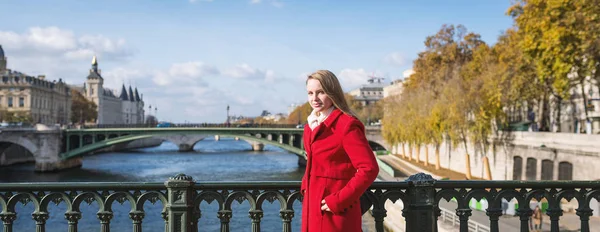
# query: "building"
369,93
47,102
128,108
572,118
395,88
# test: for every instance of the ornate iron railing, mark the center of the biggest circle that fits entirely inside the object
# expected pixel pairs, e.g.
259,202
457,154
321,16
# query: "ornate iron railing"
181,197
211,125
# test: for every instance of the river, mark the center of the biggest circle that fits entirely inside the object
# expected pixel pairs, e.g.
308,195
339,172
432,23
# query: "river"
224,160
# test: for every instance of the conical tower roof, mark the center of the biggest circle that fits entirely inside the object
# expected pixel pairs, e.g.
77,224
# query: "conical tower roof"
123,96
131,98
137,96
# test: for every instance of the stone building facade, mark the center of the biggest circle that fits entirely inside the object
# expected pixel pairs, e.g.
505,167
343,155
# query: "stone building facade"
369,93
47,102
128,108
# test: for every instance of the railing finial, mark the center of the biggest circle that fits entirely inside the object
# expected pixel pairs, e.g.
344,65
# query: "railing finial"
181,176
421,179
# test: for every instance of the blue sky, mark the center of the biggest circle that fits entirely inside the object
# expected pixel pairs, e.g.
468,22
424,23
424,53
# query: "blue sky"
191,58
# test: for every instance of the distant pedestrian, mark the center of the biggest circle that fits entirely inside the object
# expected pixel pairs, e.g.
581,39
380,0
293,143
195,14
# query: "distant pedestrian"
504,206
537,219
340,163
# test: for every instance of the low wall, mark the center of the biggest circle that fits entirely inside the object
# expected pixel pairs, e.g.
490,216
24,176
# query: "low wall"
580,150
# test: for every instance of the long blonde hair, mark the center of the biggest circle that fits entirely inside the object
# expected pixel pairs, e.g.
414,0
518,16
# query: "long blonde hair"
331,86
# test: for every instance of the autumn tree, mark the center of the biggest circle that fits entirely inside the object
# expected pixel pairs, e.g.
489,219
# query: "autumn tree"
562,39
8,116
299,114
82,109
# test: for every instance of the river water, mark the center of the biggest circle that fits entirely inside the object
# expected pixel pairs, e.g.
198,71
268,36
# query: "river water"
224,160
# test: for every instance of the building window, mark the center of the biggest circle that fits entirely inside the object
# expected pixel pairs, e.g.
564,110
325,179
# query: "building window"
531,169
565,171
517,167
10,102
21,102
547,169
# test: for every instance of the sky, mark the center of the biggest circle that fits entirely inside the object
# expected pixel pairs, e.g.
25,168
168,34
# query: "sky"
192,58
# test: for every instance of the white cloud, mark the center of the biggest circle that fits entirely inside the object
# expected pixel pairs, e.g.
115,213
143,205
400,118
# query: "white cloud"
395,59
407,73
275,3
245,71
116,77
57,42
185,73
193,69
352,78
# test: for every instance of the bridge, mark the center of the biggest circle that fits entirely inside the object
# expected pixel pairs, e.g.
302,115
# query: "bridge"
78,142
55,149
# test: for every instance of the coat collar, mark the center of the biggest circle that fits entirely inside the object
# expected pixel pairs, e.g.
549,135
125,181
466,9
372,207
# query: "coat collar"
335,114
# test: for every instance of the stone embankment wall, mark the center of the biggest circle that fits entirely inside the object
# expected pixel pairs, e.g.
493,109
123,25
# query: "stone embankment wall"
581,151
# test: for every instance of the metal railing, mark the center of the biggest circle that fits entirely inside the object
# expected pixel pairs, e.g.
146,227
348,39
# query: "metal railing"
181,197
452,218
211,125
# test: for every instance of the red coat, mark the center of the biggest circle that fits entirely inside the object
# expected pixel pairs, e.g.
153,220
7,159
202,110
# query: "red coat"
340,167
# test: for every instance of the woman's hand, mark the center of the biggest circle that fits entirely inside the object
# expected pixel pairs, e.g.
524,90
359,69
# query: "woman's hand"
324,206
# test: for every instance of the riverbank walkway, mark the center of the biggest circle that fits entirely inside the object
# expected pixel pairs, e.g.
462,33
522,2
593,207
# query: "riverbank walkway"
569,222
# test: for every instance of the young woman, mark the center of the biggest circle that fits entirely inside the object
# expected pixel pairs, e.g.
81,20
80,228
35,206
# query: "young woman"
340,163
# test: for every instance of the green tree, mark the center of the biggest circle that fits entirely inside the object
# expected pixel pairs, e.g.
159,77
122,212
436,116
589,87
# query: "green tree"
562,38
82,109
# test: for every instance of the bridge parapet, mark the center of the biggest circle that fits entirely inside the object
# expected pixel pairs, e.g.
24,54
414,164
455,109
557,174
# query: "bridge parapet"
81,141
43,142
181,198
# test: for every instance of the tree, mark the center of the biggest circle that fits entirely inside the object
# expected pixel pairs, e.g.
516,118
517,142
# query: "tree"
299,115
562,39
22,116
82,109
151,120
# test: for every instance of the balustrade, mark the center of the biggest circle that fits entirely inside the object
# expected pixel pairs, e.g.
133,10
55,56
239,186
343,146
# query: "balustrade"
180,198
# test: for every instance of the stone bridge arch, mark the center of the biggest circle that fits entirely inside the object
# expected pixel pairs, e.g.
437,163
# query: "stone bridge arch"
43,142
21,141
11,150
375,138
185,142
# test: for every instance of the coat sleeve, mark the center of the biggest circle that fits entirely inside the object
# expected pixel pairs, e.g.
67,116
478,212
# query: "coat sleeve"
357,147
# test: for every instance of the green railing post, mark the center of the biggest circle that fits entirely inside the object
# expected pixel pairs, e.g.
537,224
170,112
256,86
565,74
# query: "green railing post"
421,195
8,218
180,205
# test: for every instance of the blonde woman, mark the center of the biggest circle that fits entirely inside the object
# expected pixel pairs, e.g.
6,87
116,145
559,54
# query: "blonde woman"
340,163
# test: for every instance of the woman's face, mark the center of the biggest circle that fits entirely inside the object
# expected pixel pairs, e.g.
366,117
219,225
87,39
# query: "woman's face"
317,98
